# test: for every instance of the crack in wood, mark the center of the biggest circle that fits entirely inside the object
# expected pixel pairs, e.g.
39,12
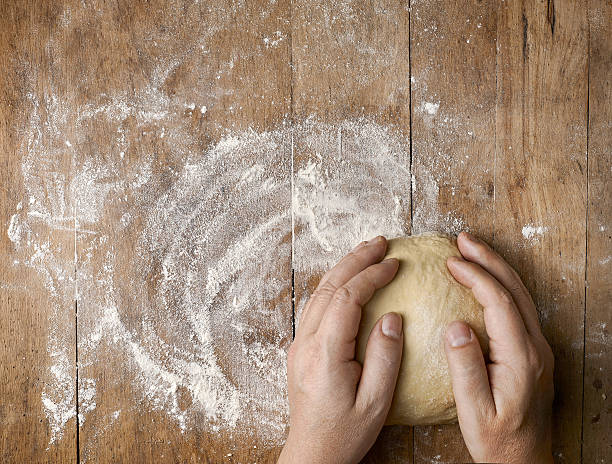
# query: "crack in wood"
550,15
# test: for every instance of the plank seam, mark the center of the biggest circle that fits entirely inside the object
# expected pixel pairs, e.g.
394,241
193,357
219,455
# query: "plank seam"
410,149
586,240
291,119
410,110
76,330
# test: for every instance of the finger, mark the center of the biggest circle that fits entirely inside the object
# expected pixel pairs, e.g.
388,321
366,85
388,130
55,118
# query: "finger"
502,319
340,322
468,373
383,356
362,256
479,252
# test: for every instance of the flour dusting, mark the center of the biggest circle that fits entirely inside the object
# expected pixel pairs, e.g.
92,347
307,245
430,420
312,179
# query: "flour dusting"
533,233
430,108
177,240
183,277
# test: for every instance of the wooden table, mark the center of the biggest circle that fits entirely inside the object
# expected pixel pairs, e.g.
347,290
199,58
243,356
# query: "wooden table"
176,175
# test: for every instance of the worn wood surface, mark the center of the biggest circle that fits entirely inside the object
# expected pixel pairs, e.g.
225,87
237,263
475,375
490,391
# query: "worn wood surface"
31,351
541,183
597,411
500,113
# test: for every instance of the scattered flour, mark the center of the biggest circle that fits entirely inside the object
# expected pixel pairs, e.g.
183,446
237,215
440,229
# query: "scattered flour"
179,254
273,41
201,306
430,108
199,315
533,233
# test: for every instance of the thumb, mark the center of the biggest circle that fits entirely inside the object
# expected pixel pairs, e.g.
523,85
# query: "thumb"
468,374
381,364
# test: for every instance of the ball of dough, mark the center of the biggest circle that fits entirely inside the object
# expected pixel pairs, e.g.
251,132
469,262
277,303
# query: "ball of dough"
428,298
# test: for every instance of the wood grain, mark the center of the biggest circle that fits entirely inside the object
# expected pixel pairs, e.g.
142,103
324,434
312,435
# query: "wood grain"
541,182
453,140
597,412
36,316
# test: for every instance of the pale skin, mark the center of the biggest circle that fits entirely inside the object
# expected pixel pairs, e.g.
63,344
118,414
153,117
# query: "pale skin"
338,407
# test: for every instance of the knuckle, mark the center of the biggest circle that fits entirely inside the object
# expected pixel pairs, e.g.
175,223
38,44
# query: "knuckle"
352,256
536,363
344,296
326,289
505,297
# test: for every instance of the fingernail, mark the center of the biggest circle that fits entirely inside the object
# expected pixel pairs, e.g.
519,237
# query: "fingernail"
390,261
392,325
378,239
471,238
458,334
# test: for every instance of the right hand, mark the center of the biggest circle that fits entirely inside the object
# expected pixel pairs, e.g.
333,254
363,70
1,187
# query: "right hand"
504,407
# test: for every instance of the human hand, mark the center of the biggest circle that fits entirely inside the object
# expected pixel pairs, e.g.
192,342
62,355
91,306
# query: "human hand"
337,408
504,407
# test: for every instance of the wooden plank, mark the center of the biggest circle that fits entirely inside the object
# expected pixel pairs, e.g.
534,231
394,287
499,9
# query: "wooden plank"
351,176
184,308
597,413
540,190
37,356
453,139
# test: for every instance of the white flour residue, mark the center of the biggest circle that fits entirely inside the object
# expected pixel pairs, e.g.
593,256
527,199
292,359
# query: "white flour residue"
58,396
184,252
533,233
354,186
216,241
14,229
429,108
273,41
427,215
42,233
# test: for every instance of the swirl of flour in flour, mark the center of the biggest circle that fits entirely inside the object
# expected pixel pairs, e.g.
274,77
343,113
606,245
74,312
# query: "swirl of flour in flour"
217,246
186,274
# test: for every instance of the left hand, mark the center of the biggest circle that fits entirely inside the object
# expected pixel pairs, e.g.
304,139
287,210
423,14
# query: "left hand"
338,407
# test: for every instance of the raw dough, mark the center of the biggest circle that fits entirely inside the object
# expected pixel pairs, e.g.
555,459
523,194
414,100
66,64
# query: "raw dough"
428,299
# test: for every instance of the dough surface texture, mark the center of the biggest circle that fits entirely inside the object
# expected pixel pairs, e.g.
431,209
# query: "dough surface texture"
428,298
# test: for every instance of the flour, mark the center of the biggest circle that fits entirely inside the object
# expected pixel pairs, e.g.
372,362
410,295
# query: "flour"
533,233
273,41
202,303
354,187
430,108
14,229
180,253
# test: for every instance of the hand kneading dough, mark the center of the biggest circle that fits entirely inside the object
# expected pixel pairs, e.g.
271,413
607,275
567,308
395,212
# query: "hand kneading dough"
428,299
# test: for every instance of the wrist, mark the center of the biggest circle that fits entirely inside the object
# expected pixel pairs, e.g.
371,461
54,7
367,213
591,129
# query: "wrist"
297,450
292,453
